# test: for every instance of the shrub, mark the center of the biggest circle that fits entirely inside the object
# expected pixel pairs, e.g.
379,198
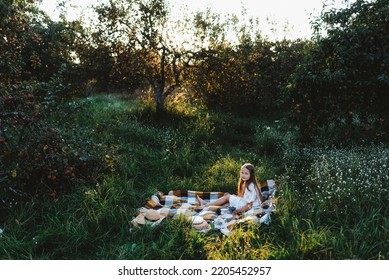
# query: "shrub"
346,71
36,159
247,79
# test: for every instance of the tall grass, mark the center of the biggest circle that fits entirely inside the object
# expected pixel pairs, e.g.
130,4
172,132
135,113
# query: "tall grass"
331,202
347,191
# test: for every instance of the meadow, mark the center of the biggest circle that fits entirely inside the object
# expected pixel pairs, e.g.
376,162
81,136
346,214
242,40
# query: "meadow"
331,200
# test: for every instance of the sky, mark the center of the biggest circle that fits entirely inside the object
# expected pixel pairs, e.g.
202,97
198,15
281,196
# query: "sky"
273,15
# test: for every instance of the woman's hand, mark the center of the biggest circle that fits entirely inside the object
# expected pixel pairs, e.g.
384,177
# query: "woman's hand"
243,209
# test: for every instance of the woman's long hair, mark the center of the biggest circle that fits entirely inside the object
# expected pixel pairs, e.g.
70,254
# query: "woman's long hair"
242,184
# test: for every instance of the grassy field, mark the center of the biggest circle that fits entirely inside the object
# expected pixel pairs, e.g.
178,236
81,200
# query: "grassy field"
332,202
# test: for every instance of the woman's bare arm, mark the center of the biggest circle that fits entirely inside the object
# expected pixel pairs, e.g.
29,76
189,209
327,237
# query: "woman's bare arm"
244,208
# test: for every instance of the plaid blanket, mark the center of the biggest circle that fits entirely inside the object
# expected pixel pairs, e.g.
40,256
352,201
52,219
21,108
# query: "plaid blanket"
183,203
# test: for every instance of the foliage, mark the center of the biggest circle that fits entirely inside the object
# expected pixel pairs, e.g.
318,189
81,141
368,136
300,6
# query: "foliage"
16,34
33,47
36,159
249,78
345,73
139,46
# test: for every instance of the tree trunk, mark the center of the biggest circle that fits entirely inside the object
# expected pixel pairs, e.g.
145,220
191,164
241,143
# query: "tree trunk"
160,100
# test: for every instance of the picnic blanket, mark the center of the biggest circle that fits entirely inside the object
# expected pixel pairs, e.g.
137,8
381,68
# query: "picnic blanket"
183,203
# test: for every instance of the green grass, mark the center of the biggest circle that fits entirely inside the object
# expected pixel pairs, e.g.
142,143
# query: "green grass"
326,208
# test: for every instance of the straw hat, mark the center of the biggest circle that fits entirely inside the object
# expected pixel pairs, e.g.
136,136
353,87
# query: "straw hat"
199,223
208,215
196,220
150,216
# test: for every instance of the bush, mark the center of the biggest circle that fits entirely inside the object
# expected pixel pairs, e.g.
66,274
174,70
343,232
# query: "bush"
36,159
248,79
345,72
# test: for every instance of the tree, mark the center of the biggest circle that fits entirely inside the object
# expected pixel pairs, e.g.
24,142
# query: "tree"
248,78
35,158
15,35
346,72
140,36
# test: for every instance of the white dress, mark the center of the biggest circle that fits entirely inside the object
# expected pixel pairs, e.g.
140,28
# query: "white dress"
249,195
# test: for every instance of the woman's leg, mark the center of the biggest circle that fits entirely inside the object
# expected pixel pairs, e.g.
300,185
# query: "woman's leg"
219,202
